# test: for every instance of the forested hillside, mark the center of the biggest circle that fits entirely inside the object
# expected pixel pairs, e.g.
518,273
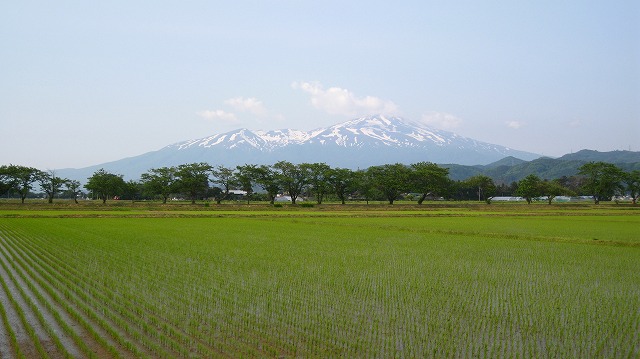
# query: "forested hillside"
511,169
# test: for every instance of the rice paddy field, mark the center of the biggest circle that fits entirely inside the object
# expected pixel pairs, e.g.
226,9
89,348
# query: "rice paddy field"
406,282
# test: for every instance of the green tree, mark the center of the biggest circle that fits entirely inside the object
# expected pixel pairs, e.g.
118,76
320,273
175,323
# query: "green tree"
192,179
552,189
73,189
7,181
429,178
485,188
342,180
632,182
504,189
224,177
268,179
390,179
105,185
132,190
572,183
50,183
160,181
246,176
366,185
292,178
21,179
602,180
529,188
318,178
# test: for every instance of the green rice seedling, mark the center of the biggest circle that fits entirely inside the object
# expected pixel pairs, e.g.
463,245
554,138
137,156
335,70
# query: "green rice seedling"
9,330
21,314
32,306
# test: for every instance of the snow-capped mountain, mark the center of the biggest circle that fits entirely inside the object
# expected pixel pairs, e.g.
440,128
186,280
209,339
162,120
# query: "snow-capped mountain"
358,143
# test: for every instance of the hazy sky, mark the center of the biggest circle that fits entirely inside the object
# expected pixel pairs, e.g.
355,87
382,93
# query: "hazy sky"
85,82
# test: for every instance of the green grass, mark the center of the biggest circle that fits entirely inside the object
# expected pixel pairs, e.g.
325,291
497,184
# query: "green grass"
489,281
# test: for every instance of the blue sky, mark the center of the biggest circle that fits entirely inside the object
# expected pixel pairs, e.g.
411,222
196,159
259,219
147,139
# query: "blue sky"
83,83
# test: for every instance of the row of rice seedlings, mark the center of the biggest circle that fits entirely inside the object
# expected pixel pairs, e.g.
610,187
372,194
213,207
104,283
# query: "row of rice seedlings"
85,317
44,280
532,308
288,312
200,300
490,327
10,332
108,312
485,342
249,323
193,323
149,310
66,272
126,313
294,312
26,282
133,314
26,264
337,333
193,312
21,314
208,297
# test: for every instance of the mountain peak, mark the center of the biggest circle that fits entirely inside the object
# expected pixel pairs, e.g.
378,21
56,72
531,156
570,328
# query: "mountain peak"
237,138
388,123
508,161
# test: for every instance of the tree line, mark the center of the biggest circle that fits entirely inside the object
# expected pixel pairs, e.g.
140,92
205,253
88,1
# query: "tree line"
389,182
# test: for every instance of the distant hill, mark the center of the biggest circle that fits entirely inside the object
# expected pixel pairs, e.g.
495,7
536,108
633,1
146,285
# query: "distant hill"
595,156
511,169
507,161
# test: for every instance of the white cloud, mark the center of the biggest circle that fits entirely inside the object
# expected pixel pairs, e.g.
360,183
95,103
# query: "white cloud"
441,120
218,115
575,123
514,124
339,101
251,105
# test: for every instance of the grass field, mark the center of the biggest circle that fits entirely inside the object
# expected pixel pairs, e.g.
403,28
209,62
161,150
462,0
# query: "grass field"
435,281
